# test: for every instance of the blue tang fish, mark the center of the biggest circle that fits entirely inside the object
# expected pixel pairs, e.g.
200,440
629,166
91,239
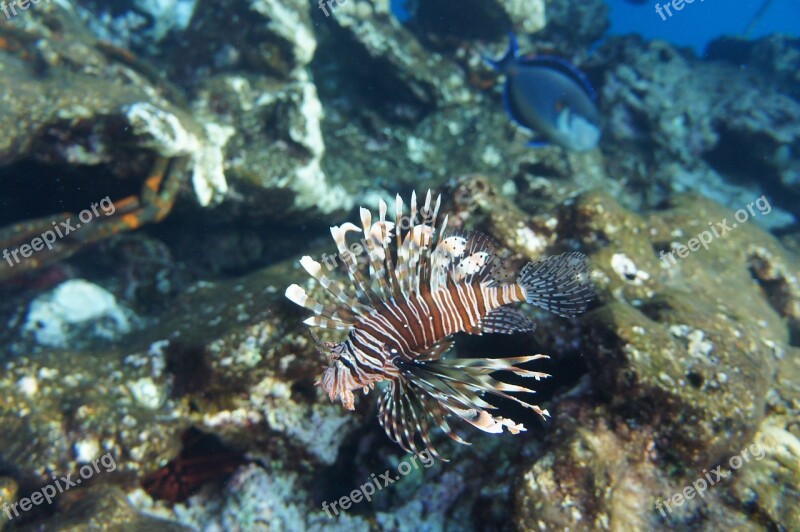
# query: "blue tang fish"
550,97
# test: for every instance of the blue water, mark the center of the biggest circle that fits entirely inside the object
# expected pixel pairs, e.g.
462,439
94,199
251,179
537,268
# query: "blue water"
703,21
695,25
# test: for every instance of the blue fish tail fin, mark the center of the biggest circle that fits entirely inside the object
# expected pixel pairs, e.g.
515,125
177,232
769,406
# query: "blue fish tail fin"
511,54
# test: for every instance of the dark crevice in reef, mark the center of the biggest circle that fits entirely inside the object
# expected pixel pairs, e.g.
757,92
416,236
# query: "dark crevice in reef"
367,82
352,467
469,20
30,190
218,248
776,290
794,335
740,166
565,370
203,459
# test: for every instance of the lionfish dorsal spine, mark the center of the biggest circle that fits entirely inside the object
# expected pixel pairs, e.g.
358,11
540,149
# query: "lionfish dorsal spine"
376,266
385,239
363,292
325,313
314,269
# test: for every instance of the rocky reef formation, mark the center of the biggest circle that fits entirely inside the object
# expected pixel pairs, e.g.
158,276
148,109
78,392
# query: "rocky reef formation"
245,135
687,120
682,378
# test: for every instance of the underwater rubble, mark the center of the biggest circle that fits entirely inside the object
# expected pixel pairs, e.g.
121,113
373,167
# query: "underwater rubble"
685,119
275,118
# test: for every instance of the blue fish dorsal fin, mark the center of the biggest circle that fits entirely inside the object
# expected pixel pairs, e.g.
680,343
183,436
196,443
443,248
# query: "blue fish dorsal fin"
563,66
508,58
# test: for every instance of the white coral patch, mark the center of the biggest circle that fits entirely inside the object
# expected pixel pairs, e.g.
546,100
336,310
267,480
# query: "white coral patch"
164,132
699,346
147,393
627,269
86,450
167,15
491,156
75,303
309,181
286,22
313,190
28,385
534,244
310,133
419,150
208,177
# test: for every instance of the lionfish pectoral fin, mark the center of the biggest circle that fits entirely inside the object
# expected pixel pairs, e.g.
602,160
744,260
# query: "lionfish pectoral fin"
486,422
505,320
335,381
560,284
458,385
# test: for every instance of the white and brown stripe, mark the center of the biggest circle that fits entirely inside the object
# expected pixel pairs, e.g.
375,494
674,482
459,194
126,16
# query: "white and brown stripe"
402,318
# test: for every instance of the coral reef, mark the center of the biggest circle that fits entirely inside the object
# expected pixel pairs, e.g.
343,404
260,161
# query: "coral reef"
231,134
687,119
686,377
86,88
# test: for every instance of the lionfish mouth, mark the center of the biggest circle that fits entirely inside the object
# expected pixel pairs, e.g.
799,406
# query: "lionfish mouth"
402,315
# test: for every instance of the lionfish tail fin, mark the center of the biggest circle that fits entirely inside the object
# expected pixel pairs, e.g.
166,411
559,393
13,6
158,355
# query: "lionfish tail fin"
560,284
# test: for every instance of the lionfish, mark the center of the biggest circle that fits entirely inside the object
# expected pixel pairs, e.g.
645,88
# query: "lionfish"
435,283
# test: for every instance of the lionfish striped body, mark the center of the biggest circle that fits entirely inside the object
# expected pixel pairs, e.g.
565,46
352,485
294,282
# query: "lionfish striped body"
434,284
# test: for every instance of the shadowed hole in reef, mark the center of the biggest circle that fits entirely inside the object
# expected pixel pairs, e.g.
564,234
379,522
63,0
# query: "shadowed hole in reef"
188,364
203,458
467,19
363,81
695,379
30,190
776,291
565,370
750,166
304,390
729,159
541,169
